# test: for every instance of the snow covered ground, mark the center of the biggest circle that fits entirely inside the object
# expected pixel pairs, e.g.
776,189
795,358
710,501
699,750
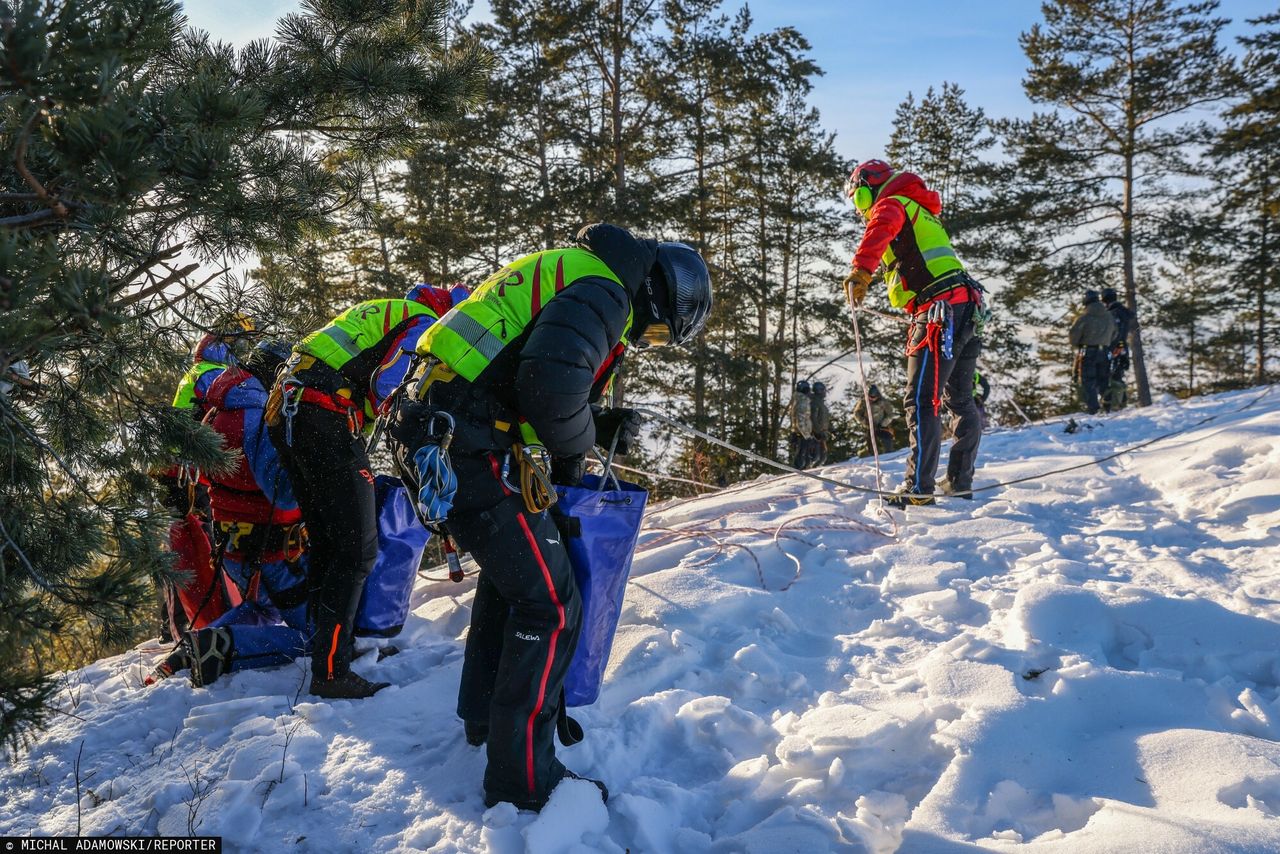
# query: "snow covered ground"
1084,663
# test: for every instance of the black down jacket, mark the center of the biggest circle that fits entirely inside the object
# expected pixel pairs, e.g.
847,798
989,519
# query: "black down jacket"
548,376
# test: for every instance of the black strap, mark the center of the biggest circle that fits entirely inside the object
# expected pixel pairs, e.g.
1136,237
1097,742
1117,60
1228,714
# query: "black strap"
945,285
569,730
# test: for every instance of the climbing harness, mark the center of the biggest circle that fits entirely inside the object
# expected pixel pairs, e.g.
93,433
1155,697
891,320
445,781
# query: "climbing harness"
939,322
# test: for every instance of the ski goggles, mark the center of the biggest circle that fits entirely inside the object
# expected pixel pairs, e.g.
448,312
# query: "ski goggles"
657,334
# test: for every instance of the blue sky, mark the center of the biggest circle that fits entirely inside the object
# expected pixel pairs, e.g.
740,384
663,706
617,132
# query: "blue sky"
873,52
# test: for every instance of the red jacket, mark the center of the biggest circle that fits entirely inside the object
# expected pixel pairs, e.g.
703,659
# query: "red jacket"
258,490
887,216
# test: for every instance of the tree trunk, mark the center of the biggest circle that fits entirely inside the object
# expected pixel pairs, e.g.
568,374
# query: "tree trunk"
1126,230
700,349
382,237
615,114
544,175
619,157
1263,279
1191,360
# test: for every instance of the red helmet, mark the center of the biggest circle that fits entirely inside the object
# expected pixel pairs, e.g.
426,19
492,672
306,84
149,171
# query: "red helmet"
871,174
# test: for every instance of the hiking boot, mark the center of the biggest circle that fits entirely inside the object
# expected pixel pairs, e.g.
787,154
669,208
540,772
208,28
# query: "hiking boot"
348,686
604,790
477,732
904,498
945,487
536,806
208,652
175,661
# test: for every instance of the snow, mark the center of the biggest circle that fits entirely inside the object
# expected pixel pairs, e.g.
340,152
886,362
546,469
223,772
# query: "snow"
1088,662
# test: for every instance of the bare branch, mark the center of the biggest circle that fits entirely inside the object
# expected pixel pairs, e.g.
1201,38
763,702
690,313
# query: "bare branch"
172,278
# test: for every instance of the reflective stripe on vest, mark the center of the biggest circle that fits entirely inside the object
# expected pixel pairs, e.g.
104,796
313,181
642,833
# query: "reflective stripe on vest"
185,396
359,328
929,255
473,333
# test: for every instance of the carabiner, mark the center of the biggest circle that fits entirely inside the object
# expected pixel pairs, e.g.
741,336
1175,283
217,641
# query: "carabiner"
290,397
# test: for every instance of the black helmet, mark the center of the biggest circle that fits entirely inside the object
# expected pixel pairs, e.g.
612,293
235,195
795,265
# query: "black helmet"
1108,295
802,387
873,391
819,387
265,359
681,294
1090,296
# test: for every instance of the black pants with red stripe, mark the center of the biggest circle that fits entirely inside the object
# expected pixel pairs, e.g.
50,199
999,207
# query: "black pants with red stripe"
333,482
524,630
952,379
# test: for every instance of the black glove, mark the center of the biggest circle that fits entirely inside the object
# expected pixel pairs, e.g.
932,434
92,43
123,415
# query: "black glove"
568,471
620,422
409,425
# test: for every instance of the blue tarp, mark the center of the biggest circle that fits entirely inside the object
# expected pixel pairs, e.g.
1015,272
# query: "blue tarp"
401,542
601,529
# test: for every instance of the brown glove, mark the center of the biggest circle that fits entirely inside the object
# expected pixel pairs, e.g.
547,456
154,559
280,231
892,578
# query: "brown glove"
855,285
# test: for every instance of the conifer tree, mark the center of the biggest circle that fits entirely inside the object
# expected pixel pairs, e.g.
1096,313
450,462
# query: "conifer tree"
1251,195
948,142
136,154
1087,193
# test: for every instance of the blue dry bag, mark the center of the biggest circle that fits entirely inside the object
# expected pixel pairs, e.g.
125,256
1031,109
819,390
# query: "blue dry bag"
401,542
600,528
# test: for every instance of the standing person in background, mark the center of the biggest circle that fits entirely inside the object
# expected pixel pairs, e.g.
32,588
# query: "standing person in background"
800,415
1117,394
325,400
926,279
1091,334
821,418
880,420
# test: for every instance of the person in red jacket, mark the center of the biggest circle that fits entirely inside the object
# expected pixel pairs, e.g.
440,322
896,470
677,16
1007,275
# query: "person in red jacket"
199,601
259,535
926,279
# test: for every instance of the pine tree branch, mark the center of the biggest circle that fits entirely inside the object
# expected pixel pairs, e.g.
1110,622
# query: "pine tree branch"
23,220
20,165
174,276
156,257
26,563
187,291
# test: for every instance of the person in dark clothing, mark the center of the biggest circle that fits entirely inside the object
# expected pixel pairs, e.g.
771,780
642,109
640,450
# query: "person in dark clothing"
325,399
925,278
821,425
1117,394
1091,335
800,414
519,368
880,419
